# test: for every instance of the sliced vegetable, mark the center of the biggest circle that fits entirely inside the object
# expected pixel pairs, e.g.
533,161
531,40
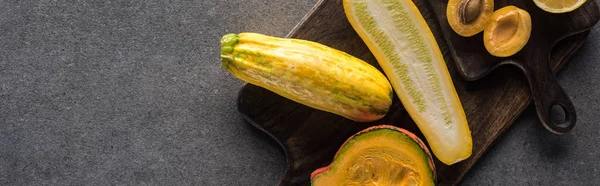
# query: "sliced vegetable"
380,155
398,36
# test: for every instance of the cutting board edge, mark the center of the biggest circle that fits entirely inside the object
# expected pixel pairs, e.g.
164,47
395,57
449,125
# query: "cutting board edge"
306,16
302,22
255,125
563,61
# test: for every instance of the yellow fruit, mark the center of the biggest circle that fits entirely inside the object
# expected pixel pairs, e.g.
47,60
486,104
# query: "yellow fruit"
469,17
559,6
309,73
508,32
398,36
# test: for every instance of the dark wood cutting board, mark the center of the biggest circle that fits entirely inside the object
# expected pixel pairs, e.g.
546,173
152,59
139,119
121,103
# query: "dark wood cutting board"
474,62
311,137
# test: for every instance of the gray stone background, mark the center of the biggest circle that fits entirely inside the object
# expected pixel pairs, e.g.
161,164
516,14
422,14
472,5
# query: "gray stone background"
132,93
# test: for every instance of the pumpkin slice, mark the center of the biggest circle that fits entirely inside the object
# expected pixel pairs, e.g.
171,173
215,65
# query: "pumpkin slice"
398,36
381,155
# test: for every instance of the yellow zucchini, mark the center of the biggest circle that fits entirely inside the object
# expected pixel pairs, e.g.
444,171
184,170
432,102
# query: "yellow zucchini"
398,36
309,73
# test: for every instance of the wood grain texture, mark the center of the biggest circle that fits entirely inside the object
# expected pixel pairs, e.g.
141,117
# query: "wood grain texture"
311,137
474,62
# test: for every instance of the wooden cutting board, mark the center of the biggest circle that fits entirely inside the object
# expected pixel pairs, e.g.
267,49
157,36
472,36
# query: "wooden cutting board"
311,137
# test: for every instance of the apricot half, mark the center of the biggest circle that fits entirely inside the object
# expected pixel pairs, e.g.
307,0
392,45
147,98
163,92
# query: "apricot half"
469,17
508,31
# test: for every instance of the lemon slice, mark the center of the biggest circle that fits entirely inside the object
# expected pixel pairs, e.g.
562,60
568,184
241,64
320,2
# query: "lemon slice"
405,48
559,6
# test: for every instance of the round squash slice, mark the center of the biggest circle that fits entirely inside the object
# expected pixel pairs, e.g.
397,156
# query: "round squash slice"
381,155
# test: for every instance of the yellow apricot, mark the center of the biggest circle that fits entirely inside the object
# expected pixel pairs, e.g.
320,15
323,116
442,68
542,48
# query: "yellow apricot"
469,17
508,31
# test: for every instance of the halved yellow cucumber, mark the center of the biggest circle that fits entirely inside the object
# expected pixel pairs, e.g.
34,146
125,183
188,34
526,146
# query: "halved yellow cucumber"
398,36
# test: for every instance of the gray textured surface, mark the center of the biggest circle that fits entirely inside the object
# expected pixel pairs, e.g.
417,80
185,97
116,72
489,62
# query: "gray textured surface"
131,93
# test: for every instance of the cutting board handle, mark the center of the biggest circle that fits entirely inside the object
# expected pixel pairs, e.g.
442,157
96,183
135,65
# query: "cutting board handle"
548,95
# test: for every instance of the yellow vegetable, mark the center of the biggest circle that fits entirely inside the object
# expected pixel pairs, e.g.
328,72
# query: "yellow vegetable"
398,36
382,155
309,73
